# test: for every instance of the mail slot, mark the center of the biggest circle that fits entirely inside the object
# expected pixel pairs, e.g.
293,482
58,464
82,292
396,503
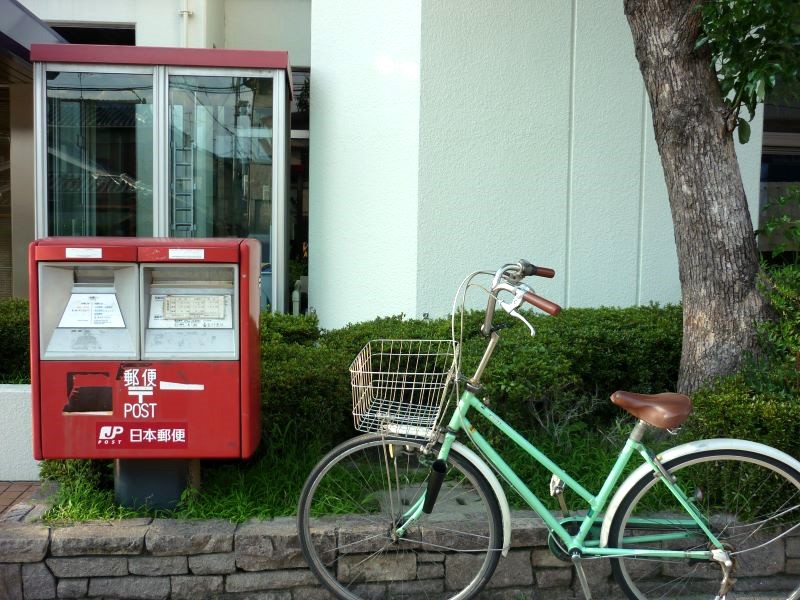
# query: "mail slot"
145,348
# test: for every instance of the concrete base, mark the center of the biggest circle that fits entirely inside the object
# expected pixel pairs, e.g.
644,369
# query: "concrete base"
16,437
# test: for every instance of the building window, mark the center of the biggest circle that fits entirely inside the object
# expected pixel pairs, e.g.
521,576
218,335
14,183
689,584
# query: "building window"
780,160
99,154
221,157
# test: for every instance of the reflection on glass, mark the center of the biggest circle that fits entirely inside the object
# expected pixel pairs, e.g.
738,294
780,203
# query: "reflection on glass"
99,154
221,157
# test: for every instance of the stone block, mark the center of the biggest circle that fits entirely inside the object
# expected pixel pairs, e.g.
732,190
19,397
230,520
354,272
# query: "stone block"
508,594
23,543
312,593
115,538
430,570
560,594
11,581
154,566
100,566
193,587
553,578
792,566
512,570
38,582
73,588
213,564
170,537
386,567
596,568
527,530
274,544
416,589
17,513
269,580
543,558
460,569
274,595
793,547
130,587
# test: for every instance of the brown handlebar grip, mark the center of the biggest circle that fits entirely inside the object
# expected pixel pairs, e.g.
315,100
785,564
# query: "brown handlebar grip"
551,308
545,272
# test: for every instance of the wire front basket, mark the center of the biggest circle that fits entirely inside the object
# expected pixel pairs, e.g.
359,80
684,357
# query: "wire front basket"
400,386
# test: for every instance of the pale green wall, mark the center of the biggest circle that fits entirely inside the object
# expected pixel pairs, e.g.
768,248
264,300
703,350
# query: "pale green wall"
270,25
536,141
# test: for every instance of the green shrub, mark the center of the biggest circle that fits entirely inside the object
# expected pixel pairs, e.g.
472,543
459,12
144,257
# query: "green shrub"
15,362
276,327
781,336
578,359
732,409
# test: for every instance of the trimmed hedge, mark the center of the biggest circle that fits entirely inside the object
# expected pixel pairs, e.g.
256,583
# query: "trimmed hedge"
15,361
570,368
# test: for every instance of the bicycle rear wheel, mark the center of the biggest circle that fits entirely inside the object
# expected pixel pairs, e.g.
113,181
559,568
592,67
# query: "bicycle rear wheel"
355,496
752,504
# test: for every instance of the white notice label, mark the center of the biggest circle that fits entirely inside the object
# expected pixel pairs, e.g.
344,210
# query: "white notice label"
190,311
92,310
84,253
184,253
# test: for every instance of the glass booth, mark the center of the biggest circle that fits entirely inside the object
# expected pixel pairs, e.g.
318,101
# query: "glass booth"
136,141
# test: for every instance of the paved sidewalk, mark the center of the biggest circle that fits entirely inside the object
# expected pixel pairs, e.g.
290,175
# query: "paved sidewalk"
12,492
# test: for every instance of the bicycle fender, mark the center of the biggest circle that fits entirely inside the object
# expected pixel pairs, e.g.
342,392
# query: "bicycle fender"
644,470
484,469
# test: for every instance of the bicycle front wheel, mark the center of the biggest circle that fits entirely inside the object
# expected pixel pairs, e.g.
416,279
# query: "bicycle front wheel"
750,502
356,496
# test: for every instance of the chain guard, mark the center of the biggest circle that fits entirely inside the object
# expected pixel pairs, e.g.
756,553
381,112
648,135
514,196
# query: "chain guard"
572,525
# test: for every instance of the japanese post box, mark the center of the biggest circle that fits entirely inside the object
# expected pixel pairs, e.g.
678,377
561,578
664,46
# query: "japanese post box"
145,348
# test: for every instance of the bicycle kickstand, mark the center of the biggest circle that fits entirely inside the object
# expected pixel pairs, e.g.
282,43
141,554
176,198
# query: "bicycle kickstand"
576,561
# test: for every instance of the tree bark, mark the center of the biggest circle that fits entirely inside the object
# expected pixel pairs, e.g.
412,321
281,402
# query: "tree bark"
717,253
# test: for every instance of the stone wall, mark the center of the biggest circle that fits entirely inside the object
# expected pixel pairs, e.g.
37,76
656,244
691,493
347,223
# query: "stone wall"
163,559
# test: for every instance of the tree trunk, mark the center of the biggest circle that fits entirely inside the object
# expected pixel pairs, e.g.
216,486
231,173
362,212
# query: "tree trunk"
717,253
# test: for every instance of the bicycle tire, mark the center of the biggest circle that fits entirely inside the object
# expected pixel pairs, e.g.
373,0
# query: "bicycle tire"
752,502
450,553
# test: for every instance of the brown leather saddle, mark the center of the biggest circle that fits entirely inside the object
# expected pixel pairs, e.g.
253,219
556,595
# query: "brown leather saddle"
665,411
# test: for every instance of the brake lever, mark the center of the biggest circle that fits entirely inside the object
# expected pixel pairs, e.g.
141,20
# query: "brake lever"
511,307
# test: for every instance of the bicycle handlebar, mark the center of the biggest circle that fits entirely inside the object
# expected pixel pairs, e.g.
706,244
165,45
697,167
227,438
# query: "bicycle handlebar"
551,308
530,269
508,278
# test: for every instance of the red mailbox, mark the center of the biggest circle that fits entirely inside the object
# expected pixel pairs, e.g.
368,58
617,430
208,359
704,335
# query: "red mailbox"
145,348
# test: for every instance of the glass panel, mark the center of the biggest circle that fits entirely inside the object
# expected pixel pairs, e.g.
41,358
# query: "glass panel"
301,86
298,225
100,154
221,157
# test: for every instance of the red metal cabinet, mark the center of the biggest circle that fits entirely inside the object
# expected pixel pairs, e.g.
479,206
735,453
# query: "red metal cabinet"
145,348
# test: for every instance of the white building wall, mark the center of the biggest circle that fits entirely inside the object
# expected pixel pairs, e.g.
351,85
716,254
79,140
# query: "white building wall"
157,22
270,25
364,159
536,141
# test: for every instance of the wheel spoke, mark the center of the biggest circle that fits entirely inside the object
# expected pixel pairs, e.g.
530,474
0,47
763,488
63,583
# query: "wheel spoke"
750,503
368,484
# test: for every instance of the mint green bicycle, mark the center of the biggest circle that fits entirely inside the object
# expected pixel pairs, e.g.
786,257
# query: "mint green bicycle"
409,511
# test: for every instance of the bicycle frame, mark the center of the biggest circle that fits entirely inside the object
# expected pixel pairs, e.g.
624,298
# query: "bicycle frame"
596,503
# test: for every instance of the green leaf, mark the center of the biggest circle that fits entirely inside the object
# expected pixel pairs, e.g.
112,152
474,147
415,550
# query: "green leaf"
744,131
761,91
